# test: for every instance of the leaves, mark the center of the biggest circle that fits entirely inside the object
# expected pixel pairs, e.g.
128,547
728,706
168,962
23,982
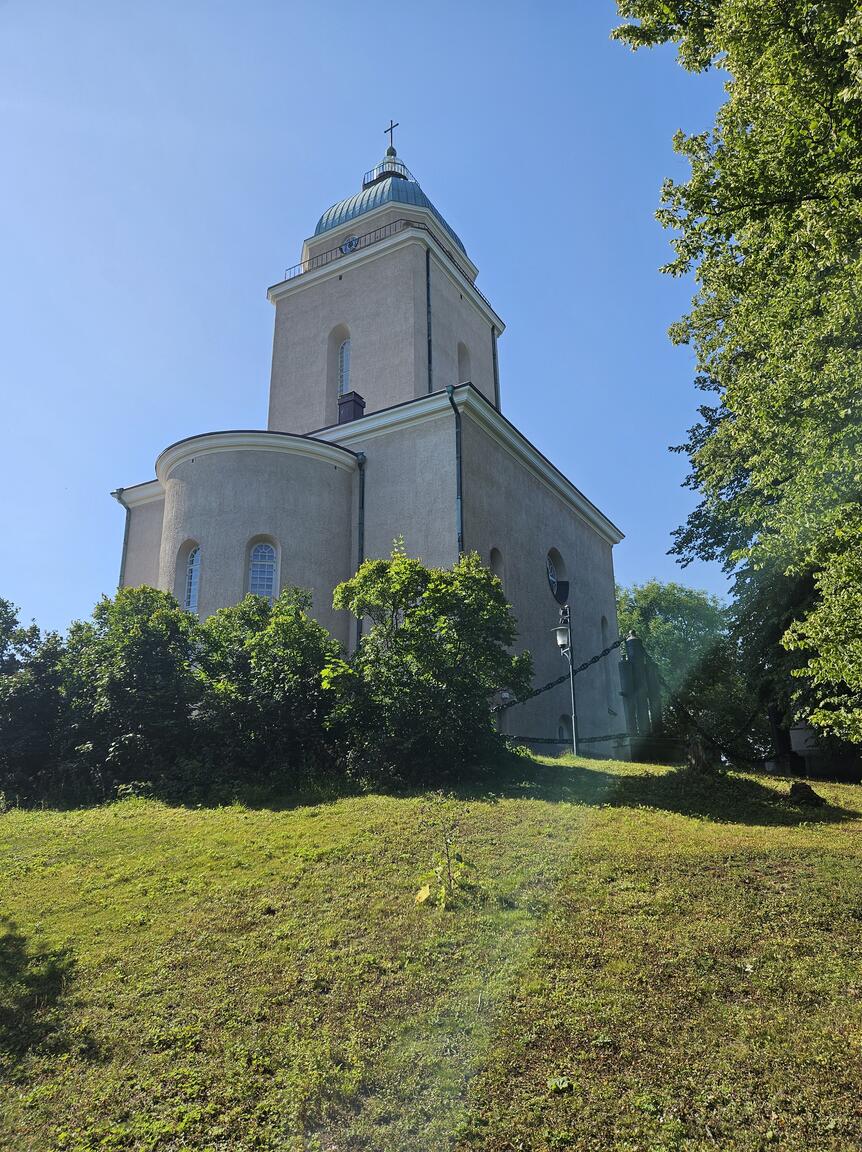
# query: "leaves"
770,222
414,700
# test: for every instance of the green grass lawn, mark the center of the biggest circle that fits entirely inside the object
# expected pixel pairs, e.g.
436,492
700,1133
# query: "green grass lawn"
650,962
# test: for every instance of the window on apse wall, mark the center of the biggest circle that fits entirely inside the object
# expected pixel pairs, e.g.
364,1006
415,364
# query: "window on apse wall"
261,571
192,580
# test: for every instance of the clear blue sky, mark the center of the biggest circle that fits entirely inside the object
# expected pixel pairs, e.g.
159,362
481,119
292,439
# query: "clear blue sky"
163,163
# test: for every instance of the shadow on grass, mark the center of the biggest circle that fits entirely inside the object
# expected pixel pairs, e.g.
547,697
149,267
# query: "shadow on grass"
32,984
723,798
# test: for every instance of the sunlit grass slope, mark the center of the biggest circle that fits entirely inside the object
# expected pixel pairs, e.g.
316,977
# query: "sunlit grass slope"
651,962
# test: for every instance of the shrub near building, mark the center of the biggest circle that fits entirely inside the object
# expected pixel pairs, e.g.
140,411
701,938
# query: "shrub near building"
414,700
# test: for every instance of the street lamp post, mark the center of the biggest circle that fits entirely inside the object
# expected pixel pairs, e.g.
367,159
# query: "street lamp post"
563,634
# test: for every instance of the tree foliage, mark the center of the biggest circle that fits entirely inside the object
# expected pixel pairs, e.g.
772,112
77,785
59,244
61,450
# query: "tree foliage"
130,686
258,696
263,705
678,625
415,698
32,707
770,221
706,679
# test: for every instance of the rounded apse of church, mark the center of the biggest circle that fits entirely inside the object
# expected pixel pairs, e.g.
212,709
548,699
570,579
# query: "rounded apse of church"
229,490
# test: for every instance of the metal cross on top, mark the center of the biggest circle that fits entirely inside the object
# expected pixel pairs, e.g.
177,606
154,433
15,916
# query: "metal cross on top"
390,131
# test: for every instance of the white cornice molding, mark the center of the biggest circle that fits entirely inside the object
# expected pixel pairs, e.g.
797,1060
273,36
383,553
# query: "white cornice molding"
388,420
472,403
381,248
253,441
139,494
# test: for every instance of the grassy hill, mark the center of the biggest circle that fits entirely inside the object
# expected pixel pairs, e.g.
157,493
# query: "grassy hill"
650,962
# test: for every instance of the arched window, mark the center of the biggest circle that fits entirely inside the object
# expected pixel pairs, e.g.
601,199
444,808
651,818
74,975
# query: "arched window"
344,367
463,363
192,580
261,571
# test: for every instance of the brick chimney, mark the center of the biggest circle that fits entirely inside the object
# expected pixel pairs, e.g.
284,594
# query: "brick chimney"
351,406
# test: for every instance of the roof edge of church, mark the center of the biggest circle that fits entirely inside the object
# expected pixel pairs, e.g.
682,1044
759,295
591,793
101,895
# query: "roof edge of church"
589,511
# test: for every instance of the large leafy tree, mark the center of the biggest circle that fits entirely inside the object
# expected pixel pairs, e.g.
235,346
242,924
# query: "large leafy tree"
678,625
414,700
129,679
708,685
32,709
770,220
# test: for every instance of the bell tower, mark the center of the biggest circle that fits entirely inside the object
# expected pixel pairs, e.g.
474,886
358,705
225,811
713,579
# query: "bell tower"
382,304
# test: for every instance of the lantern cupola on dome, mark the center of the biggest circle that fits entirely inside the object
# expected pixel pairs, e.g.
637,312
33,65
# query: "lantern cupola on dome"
389,182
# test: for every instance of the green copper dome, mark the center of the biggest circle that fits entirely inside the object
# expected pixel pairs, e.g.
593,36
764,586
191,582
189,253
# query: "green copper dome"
389,183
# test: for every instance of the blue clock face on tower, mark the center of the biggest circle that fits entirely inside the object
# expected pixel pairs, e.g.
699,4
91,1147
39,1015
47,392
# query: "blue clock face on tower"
350,245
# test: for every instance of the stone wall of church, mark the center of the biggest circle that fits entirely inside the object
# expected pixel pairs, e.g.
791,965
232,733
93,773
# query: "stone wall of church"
508,509
409,488
225,501
455,320
377,299
143,543
380,304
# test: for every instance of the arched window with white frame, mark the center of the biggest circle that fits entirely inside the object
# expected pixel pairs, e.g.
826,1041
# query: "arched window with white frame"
262,566
344,367
192,581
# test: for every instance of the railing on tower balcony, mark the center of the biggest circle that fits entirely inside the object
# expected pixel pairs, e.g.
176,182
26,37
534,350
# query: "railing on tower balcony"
356,244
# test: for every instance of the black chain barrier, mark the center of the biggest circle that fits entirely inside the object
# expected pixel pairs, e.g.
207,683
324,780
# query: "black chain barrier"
560,679
719,745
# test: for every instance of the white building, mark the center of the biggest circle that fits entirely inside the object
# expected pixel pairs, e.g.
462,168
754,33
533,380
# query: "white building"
384,421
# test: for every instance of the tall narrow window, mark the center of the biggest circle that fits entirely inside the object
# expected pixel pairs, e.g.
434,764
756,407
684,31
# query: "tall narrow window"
463,364
344,367
261,571
192,581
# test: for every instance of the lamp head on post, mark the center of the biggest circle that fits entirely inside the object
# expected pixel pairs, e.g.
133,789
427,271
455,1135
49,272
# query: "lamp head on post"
561,632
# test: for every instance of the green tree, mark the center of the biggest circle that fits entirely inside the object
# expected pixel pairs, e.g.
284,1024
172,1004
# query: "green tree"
263,704
832,634
678,625
770,221
131,688
413,703
707,682
32,709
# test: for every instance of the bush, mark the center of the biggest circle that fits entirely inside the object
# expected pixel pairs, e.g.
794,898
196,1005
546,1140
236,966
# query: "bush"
32,709
413,703
130,687
262,705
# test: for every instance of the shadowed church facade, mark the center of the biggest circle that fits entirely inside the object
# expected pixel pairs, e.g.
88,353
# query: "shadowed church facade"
385,421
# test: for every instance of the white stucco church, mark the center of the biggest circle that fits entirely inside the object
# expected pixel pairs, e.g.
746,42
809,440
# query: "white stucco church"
385,420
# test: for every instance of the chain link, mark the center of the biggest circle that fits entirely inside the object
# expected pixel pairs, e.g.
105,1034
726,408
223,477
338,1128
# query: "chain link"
671,695
560,679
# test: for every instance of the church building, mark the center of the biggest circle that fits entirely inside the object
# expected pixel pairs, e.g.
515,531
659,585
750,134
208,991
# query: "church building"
385,420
